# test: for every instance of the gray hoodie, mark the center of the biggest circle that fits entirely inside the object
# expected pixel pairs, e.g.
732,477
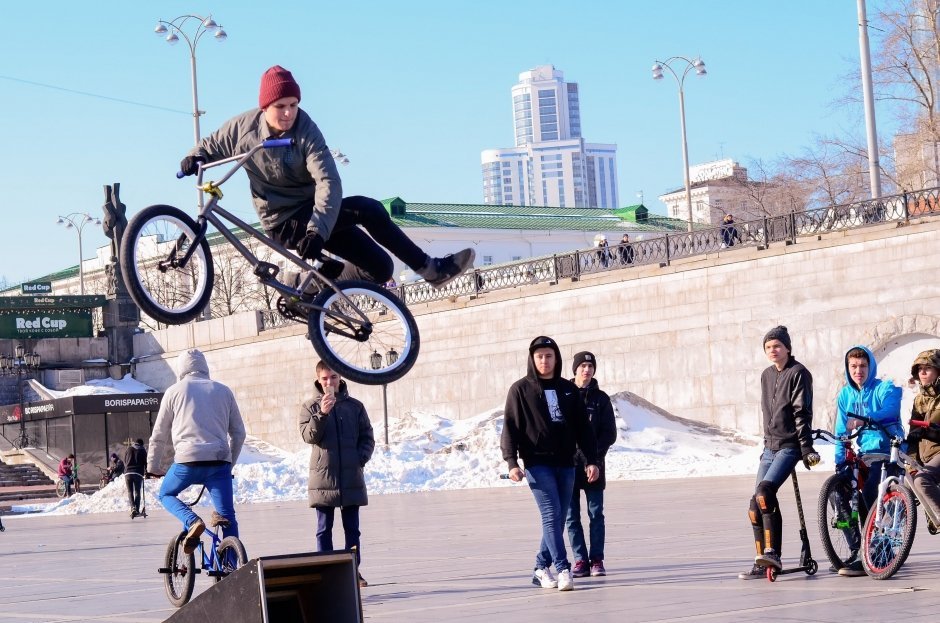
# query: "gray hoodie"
198,416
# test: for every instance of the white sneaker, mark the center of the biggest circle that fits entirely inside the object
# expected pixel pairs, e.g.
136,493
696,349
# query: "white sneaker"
544,579
565,583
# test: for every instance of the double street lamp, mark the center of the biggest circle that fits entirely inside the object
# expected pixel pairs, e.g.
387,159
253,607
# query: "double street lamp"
699,66
19,364
173,30
77,221
375,360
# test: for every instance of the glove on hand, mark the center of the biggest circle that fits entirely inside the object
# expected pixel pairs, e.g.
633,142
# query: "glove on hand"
310,246
190,164
810,458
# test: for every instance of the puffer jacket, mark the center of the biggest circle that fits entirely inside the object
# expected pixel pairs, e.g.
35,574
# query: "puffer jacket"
876,399
925,442
282,179
342,445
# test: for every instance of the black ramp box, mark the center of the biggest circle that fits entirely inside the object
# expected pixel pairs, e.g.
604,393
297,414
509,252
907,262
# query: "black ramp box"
293,588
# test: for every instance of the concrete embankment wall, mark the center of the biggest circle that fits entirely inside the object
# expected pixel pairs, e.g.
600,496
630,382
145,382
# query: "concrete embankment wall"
686,337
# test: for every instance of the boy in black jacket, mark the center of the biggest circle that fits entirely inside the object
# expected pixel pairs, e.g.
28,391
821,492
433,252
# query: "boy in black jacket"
787,408
544,424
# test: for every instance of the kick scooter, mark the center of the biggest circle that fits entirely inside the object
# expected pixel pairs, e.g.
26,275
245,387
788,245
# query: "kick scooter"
807,564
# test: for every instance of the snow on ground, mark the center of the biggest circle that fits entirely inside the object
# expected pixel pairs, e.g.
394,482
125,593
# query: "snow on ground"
429,453
126,385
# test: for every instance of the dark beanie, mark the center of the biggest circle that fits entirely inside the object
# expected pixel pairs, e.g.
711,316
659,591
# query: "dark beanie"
582,357
779,333
542,342
276,83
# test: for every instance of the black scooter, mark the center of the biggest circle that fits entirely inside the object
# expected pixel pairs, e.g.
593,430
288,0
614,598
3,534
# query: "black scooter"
807,564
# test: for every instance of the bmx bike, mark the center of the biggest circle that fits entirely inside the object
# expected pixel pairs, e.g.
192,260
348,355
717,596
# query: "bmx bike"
360,329
220,557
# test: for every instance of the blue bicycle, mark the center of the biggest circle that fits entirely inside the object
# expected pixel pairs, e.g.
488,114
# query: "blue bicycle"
218,559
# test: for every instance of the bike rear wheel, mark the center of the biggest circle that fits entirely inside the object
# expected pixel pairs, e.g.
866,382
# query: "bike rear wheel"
839,531
885,546
231,555
181,576
373,352
154,242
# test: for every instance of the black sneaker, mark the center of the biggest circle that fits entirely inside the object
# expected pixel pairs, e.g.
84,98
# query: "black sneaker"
769,558
852,570
756,573
442,270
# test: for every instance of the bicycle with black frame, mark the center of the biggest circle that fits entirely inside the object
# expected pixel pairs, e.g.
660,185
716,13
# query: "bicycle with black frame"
360,329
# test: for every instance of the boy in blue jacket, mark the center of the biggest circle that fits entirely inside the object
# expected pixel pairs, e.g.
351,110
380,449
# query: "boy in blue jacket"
879,400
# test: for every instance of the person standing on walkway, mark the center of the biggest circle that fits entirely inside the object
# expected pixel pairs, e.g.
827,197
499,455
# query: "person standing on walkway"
544,424
338,428
67,473
135,461
200,418
600,413
787,408
924,443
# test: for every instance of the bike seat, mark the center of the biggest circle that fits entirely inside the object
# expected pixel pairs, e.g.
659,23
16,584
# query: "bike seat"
218,520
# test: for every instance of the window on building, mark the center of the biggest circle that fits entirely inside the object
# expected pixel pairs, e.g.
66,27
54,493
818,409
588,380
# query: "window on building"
487,260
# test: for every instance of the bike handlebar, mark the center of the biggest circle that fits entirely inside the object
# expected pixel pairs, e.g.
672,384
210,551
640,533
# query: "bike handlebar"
821,433
268,144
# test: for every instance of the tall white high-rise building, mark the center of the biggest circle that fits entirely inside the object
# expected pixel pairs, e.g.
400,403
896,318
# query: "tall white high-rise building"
551,164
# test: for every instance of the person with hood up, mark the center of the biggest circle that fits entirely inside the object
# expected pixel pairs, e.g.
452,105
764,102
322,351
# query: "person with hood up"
135,460
600,413
786,389
115,467
338,428
924,443
544,424
201,420
879,400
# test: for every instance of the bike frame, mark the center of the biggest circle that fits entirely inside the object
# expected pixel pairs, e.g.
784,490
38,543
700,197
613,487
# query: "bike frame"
211,212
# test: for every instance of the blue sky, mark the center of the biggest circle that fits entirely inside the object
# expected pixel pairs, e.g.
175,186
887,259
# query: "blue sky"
412,91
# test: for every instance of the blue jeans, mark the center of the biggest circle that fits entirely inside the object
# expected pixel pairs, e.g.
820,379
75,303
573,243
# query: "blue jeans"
595,511
552,488
325,515
776,467
218,481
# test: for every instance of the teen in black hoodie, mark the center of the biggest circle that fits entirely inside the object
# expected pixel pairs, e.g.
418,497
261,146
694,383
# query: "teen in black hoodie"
544,424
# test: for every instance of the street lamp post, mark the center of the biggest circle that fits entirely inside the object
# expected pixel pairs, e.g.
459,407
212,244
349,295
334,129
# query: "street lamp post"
699,66
20,363
173,30
77,221
376,359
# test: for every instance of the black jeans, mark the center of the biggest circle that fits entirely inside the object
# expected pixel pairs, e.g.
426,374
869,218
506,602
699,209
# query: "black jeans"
365,259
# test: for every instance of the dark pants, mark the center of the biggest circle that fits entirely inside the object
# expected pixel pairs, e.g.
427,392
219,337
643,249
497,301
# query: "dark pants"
365,258
325,515
135,483
596,528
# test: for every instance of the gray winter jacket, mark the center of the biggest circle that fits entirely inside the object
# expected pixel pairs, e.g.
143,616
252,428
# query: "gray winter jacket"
198,416
282,179
342,444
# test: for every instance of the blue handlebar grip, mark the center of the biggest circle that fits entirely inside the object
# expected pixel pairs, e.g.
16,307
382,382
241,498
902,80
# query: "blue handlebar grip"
277,142
180,175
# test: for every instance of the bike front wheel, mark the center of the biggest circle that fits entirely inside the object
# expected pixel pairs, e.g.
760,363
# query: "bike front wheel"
373,351
886,544
165,285
840,528
231,555
179,576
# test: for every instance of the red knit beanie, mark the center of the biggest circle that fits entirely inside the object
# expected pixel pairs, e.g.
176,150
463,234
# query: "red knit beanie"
276,83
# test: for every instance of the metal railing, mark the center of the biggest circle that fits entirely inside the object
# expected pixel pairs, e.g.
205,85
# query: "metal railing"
662,250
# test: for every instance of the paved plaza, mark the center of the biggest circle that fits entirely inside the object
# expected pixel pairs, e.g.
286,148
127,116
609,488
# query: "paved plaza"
674,548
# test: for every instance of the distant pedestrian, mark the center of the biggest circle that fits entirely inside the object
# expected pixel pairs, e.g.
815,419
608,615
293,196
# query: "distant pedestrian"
603,250
544,424
135,463
66,473
115,467
338,428
729,233
600,413
626,250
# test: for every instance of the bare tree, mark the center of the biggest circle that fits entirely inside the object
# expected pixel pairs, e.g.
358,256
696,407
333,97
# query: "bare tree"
236,288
